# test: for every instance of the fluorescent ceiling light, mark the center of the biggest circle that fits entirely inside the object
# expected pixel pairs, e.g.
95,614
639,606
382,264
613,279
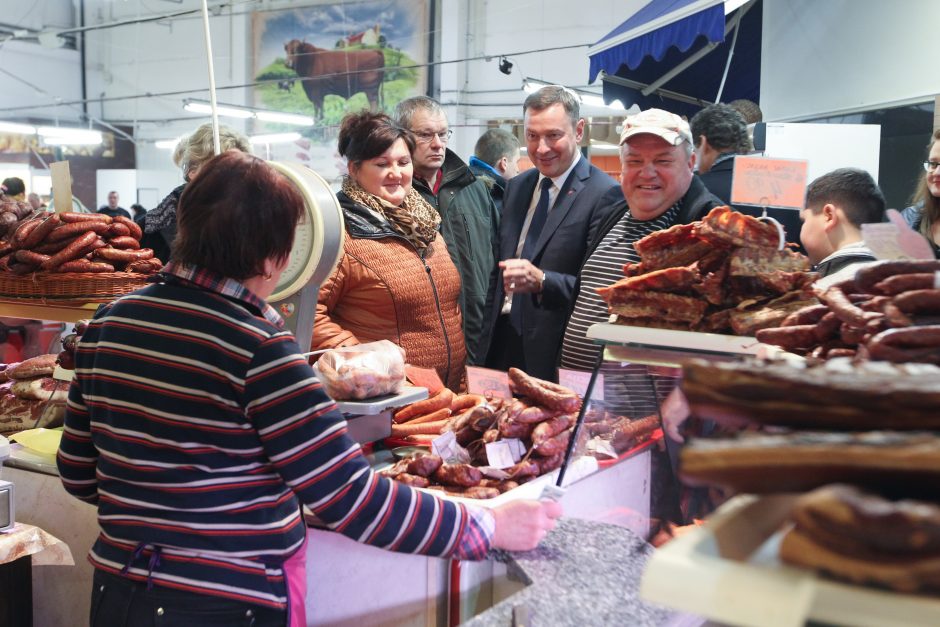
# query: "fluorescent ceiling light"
167,144
22,129
275,138
231,112
71,141
244,113
286,118
58,136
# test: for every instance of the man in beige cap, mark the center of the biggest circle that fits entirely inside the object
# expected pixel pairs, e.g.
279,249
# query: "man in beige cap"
660,190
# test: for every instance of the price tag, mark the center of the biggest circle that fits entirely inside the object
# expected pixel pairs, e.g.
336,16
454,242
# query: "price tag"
493,473
552,492
488,382
889,241
61,374
445,446
936,280
766,182
499,454
577,381
61,186
602,447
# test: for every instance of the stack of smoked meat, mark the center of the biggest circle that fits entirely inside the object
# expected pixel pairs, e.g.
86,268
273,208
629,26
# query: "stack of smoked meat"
723,274
859,438
75,242
541,415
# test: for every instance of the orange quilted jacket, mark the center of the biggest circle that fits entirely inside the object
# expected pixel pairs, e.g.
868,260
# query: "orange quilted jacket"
383,289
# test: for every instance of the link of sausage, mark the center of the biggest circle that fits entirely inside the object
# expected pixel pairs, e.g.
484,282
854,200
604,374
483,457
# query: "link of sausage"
54,247
919,301
789,338
73,217
842,307
869,276
82,245
123,256
23,230
135,231
807,315
908,344
83,265
125,242
543,393
41,232
894,285
827,327
118,230
895,317
65,231
30,257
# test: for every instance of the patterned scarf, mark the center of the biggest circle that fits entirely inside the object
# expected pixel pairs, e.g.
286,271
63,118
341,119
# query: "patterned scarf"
415,219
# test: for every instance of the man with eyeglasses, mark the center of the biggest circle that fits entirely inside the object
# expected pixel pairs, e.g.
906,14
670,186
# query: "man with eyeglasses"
469,221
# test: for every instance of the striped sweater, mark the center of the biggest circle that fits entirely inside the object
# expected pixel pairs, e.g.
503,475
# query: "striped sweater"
198,429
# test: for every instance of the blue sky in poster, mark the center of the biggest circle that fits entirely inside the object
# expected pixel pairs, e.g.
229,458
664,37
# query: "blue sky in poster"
403,22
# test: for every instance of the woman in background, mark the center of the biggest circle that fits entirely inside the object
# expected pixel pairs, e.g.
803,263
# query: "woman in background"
191,153
396,280
200,429
924,215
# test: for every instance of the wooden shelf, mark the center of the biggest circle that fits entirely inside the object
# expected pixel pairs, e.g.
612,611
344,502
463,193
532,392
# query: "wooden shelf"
38,311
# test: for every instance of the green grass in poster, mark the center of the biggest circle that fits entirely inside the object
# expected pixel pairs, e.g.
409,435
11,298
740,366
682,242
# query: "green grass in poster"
399,84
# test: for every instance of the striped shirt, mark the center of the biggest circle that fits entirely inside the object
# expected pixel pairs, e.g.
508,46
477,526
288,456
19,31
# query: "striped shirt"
198,429
628,388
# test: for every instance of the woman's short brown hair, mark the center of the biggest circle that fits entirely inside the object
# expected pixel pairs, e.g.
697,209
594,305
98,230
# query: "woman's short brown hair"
367,135
238,213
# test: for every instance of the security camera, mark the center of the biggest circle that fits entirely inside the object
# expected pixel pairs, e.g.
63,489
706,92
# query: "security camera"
505,66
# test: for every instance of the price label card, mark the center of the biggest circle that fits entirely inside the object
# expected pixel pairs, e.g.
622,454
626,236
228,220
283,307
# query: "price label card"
488,382
445,446
61,374
895,239
61,185
766,182
499,454
577,381
936,280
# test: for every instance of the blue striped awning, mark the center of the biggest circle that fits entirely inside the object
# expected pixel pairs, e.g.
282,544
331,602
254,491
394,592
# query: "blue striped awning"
654,29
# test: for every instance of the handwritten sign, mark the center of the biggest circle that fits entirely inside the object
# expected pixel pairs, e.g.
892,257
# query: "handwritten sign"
445,446
768,182
504,453
61,186
577,381
488,382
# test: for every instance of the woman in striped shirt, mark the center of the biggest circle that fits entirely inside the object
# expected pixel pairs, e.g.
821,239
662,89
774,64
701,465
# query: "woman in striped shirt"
198,429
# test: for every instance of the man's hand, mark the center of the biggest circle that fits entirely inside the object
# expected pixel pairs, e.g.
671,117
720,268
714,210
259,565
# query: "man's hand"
521,525
521,277
675,411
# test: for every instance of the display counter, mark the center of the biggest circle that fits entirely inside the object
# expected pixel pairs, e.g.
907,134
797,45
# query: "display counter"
402,589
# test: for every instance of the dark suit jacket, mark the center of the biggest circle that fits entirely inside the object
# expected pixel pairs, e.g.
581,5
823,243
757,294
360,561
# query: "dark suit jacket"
583,204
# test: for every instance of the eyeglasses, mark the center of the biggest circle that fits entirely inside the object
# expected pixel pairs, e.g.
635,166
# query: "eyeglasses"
425,137
931,166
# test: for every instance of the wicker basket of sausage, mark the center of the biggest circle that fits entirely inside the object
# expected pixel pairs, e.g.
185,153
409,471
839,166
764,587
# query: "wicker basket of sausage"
73,257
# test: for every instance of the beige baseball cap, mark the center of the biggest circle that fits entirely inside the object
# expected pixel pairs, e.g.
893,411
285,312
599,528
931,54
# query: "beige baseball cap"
657,122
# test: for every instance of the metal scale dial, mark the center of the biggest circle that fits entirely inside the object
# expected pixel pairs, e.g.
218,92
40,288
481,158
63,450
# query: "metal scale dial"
318,245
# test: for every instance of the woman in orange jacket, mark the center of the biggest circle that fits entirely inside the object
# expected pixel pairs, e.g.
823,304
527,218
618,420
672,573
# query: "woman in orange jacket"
396,280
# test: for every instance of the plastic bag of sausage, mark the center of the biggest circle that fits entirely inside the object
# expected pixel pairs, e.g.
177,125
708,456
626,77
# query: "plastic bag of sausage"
362,371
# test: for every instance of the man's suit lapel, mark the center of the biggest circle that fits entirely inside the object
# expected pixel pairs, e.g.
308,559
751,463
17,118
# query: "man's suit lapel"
515,207
563,204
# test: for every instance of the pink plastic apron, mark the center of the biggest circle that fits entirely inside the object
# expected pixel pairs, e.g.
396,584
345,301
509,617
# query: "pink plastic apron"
295,573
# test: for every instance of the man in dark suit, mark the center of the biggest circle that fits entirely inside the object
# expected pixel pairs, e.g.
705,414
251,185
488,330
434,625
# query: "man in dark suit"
550,214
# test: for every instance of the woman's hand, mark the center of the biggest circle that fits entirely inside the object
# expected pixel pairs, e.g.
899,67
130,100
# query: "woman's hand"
521,525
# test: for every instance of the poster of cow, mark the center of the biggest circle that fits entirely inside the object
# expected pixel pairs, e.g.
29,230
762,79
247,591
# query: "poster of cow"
328,59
